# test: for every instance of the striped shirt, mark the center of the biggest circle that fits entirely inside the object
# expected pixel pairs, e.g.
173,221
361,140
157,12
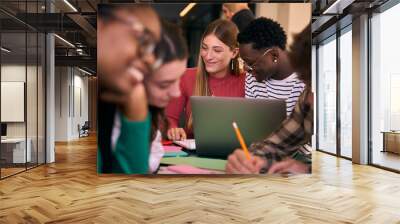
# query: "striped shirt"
288,89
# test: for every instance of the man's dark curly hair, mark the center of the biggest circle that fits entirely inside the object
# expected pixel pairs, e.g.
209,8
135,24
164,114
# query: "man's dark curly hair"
263,33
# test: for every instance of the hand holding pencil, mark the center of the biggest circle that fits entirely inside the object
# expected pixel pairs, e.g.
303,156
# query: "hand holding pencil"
240,161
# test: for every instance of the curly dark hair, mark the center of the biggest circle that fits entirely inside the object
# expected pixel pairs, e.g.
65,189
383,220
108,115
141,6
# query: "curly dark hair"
263,33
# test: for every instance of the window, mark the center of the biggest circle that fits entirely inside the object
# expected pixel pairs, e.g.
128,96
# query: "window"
22,64
385,84
346,92
327,95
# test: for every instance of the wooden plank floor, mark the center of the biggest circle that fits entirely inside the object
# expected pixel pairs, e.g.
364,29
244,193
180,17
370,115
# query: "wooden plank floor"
10,171
70,191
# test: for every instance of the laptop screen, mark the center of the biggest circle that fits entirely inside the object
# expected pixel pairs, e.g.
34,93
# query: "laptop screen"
213,117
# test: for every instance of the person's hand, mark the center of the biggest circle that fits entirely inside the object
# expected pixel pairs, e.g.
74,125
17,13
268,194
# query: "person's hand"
120,86
239,164
289,166
135,106
176,134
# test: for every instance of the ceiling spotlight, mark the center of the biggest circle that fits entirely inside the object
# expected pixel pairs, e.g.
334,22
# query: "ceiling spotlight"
84,71
64,40
70,5
5,50
337,7
186,9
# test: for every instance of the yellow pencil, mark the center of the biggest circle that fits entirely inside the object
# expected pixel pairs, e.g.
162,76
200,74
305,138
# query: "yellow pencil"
241,140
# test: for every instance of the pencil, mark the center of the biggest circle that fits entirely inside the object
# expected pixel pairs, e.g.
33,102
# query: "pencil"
241,140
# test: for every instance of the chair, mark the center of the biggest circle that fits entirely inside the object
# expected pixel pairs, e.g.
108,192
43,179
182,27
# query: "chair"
84,130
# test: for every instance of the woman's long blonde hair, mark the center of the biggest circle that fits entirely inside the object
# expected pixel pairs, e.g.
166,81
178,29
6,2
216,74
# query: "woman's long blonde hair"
226,31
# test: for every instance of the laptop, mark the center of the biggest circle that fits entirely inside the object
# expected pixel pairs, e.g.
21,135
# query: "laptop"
213,117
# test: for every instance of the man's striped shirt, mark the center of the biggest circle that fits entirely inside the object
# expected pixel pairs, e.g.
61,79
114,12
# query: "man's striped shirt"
288,89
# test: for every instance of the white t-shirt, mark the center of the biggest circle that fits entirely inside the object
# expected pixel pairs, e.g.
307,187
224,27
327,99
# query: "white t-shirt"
156,153
288,89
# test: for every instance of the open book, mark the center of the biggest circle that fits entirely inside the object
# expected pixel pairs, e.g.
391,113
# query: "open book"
187,144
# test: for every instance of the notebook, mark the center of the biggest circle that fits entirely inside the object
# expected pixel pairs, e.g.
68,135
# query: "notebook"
206,163
173,151
187,144
172,148
187,169
175,154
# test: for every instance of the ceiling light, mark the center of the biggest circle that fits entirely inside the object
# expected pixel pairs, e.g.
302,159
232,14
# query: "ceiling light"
337,7
186,9
70,5
5,50
86,72
65,41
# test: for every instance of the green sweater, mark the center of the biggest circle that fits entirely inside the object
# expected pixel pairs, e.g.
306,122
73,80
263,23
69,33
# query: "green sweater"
131,152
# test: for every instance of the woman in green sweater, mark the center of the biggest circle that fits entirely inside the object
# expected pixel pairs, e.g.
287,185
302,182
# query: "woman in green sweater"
161,86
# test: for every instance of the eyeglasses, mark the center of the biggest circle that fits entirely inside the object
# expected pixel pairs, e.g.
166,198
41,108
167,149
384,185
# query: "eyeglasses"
148,44
251,67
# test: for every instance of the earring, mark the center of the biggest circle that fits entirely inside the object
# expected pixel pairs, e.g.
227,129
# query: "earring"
275,60
232,65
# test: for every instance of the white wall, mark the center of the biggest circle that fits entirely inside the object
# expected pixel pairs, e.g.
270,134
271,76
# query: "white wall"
9,73
33,127
71,94
80,118
12,101
293,17
61,103
17,73
13,73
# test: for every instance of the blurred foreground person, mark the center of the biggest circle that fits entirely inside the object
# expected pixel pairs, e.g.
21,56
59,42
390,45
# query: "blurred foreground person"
127,40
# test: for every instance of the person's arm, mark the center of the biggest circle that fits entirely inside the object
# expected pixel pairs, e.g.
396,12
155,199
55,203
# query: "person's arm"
173,112
135,107
130,135
294,131
130,154
290,166
176,106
